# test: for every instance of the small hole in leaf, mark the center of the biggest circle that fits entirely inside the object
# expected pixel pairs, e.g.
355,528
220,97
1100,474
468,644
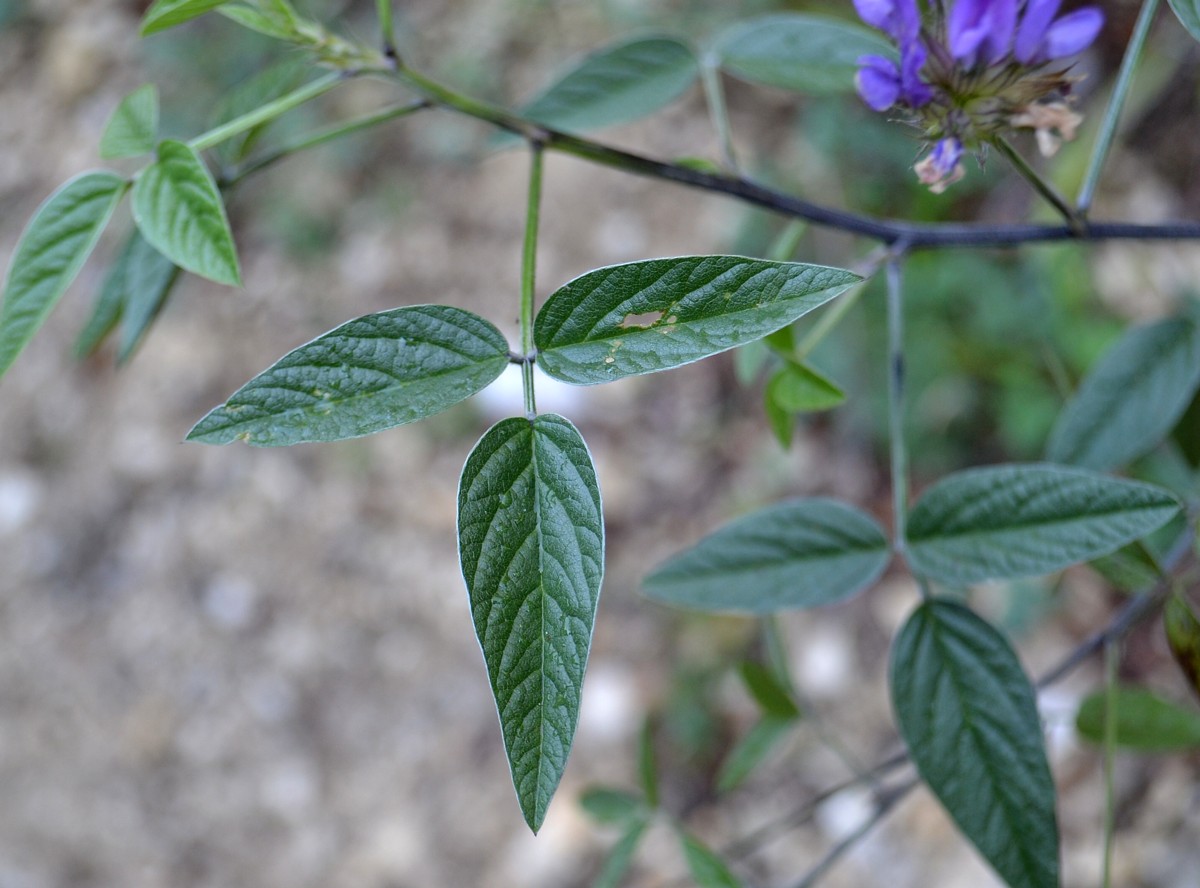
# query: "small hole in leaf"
646,319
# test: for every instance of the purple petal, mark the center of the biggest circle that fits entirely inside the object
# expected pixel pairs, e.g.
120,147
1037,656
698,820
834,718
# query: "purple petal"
1000,23
1031,33
875,13
916,92
965,29
878,82
946,154
1073,32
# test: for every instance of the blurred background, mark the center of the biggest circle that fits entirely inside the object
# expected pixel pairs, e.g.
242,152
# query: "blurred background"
229,666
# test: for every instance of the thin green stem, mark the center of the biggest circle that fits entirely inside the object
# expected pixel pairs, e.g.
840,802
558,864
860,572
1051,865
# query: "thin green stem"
896,443
322,136
528,269
1040,185
383,10
1116,102
718,111
1112,657
267,112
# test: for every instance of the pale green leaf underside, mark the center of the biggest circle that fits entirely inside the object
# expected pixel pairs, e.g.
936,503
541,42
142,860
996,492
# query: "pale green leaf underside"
618,84
1188,12
1006,522
179,210
1144,722
50,254
531,544
370,374
1131,399
968,715
133,128
169,13
799,388
798,554
806,53
641,317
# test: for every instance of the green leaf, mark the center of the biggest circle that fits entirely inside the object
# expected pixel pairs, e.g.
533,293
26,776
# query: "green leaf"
707,869
637,318
797,554
782,423
178,209
249,95
1005,522
618,860
647,765
618,84
370,374
605,805
770,695
805,53
1130,568
1131,399
1183,637
133,127
969,717
169,13
276,19
798,388
1145,722
50,253
531,542
1188,12
750,751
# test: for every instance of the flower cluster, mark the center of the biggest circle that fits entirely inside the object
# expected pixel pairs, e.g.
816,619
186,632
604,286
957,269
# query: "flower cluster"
968,70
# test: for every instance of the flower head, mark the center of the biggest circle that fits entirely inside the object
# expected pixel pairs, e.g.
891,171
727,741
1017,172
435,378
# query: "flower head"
970,70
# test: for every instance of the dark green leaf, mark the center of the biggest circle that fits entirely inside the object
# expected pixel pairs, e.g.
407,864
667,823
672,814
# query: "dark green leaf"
531,542
771,696
618,84
798,388
1144,722
1183,637
1130,400
50,253
625,320
133,127
169,13
647,766
969,717
617,863
1188,12
1005,522
797,554
612,805
805,53
179,211
371,374
708,870
750,751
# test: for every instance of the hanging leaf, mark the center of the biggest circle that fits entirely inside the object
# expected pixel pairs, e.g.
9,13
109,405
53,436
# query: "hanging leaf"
1183,637
373,373
768,692
531,542
1188,13
707,869
50,254
1131,399
641,317
178,209
1005,522
751,750
803,553
969,717
618,84
133,128
169,13
806,53
1145,722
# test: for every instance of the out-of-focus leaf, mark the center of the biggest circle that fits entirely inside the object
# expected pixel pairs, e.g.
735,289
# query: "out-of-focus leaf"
708,870
133,127
647,765
1183,636
1130,400
1007,522
1145,722
1130,568
798,388
618,860
751,750
968,715
256,91
802,553
165,14
641,317
806,53
1188,12
605,805
771,696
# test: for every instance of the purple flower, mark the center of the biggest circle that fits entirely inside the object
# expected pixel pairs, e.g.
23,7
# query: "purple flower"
942,166
899,19
881,84
1041,39
981,30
